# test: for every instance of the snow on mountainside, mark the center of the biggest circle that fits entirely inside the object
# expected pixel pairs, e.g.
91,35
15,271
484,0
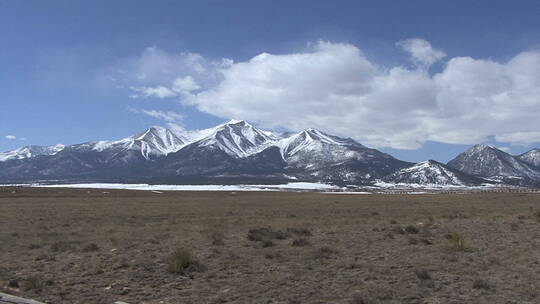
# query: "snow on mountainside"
431,172
489,162
233,150
313,140
237,152
531,157
153,142
335,159
30,151
236,138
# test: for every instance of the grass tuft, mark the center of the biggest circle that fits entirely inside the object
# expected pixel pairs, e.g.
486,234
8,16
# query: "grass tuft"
458,242
34,283
300,242
181,260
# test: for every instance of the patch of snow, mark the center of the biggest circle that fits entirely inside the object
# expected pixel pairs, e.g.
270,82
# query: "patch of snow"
147,187
348,192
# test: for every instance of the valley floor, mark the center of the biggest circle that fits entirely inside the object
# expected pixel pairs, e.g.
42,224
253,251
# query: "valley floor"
100,246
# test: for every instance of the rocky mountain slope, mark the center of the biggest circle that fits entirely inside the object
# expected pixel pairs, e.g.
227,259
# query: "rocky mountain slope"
234,151
431,172
238,152
496,165
532,158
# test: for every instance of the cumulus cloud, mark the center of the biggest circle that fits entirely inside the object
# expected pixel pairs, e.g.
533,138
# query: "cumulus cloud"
159,74
336,88
11,137
422,53
185,84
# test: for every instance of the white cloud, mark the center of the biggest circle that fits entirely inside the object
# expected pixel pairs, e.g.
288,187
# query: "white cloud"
168,116
145,92
520,138
185,84
11,137
505,149
158,74
423,54
334,87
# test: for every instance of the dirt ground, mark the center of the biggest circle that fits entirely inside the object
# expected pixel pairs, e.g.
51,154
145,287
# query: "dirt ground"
101,246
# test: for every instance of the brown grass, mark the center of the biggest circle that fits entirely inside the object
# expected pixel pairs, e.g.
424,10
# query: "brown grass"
362,249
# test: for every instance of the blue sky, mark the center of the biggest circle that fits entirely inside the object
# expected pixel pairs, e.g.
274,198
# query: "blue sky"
418,79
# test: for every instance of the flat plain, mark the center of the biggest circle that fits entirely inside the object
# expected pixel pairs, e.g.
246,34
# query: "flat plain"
101,246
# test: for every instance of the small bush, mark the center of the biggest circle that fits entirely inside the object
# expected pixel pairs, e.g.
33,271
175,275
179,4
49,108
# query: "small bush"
514,226
482,284
458,242
180,260
411,229
267,243
325,252
34,283
301,242
266,234
413,241
63,246
374,295
422,274
399,230
361,298
494,261
273,255
426,241
13,284
217,238
299,231
90,247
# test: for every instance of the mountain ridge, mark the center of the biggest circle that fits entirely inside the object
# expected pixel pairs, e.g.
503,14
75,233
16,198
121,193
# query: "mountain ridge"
238,152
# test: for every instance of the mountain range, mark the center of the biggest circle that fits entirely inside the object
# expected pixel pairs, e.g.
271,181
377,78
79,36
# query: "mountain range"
237,152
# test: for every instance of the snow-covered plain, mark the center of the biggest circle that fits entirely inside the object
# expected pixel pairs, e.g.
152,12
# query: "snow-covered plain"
378,188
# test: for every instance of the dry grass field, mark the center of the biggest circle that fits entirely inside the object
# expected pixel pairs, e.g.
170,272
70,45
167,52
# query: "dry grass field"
101,246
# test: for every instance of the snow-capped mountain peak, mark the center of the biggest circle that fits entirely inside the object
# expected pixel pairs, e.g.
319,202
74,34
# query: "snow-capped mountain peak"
30,151
430,172
154,141
311,139
488,161
236,121
237,138
531,157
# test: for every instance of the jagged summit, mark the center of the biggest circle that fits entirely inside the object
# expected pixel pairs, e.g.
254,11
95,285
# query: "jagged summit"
531,157
431,172
236,137
236,151
30,151
487,161
153,142
236,121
